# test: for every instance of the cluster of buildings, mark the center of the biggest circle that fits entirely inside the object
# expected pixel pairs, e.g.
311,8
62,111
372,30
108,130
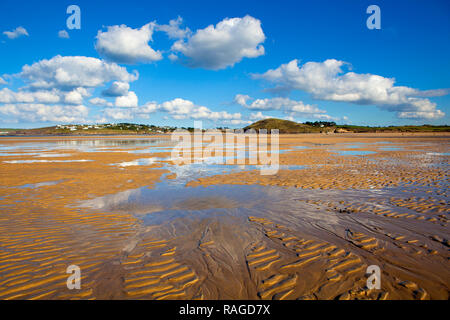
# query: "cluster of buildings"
81,127
117,126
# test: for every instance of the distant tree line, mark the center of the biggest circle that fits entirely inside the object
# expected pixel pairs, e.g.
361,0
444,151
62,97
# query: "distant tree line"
321,123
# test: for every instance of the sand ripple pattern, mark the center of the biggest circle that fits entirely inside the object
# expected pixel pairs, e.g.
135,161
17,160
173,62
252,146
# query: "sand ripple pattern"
152,272
336,271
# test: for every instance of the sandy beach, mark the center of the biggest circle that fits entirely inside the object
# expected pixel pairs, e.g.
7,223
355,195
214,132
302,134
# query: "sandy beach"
141,227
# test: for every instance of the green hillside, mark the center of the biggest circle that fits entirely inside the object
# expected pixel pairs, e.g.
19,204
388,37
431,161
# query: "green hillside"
287,126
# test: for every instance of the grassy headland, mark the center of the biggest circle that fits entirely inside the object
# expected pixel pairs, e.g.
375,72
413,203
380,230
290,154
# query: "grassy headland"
284,127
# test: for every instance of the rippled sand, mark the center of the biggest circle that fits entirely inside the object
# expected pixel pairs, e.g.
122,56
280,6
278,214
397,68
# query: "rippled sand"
148,229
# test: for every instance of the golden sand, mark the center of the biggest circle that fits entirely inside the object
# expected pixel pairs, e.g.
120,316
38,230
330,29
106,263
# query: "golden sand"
43,231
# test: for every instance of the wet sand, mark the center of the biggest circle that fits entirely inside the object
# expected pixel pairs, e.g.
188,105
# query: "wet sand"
153,230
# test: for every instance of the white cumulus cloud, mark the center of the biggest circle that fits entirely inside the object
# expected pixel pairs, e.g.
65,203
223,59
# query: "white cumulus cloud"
277,103
55,89
149,107
255,116
123,44
9,96
69,72
76,96
100,102
436,114
17,32
241,99
63,34
118,114
177,108
45,113
327,81
182,109
223,45
173,29
127,101
117,89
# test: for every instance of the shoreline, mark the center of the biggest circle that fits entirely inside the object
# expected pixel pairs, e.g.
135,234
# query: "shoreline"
225,235
286,135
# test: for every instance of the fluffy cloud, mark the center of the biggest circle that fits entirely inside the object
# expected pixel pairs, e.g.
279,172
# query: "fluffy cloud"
223,45
215,47
436,114
76,96
55,89
43,113
255,116
205,113
183,109
327,117
173,29
17,32
241,99
300,107
177,108
432,93
149,107
63,34
9,96
327,81
69,72
100,102
285,104
292,108
128,101
237,122
117,89
123,44
172,57
2,81
118,114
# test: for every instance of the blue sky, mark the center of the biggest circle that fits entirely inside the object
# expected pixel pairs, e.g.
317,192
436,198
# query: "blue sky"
326,64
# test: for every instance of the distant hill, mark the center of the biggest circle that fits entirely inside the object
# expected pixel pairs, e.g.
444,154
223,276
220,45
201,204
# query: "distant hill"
287,126
284,126
422,128
100,129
